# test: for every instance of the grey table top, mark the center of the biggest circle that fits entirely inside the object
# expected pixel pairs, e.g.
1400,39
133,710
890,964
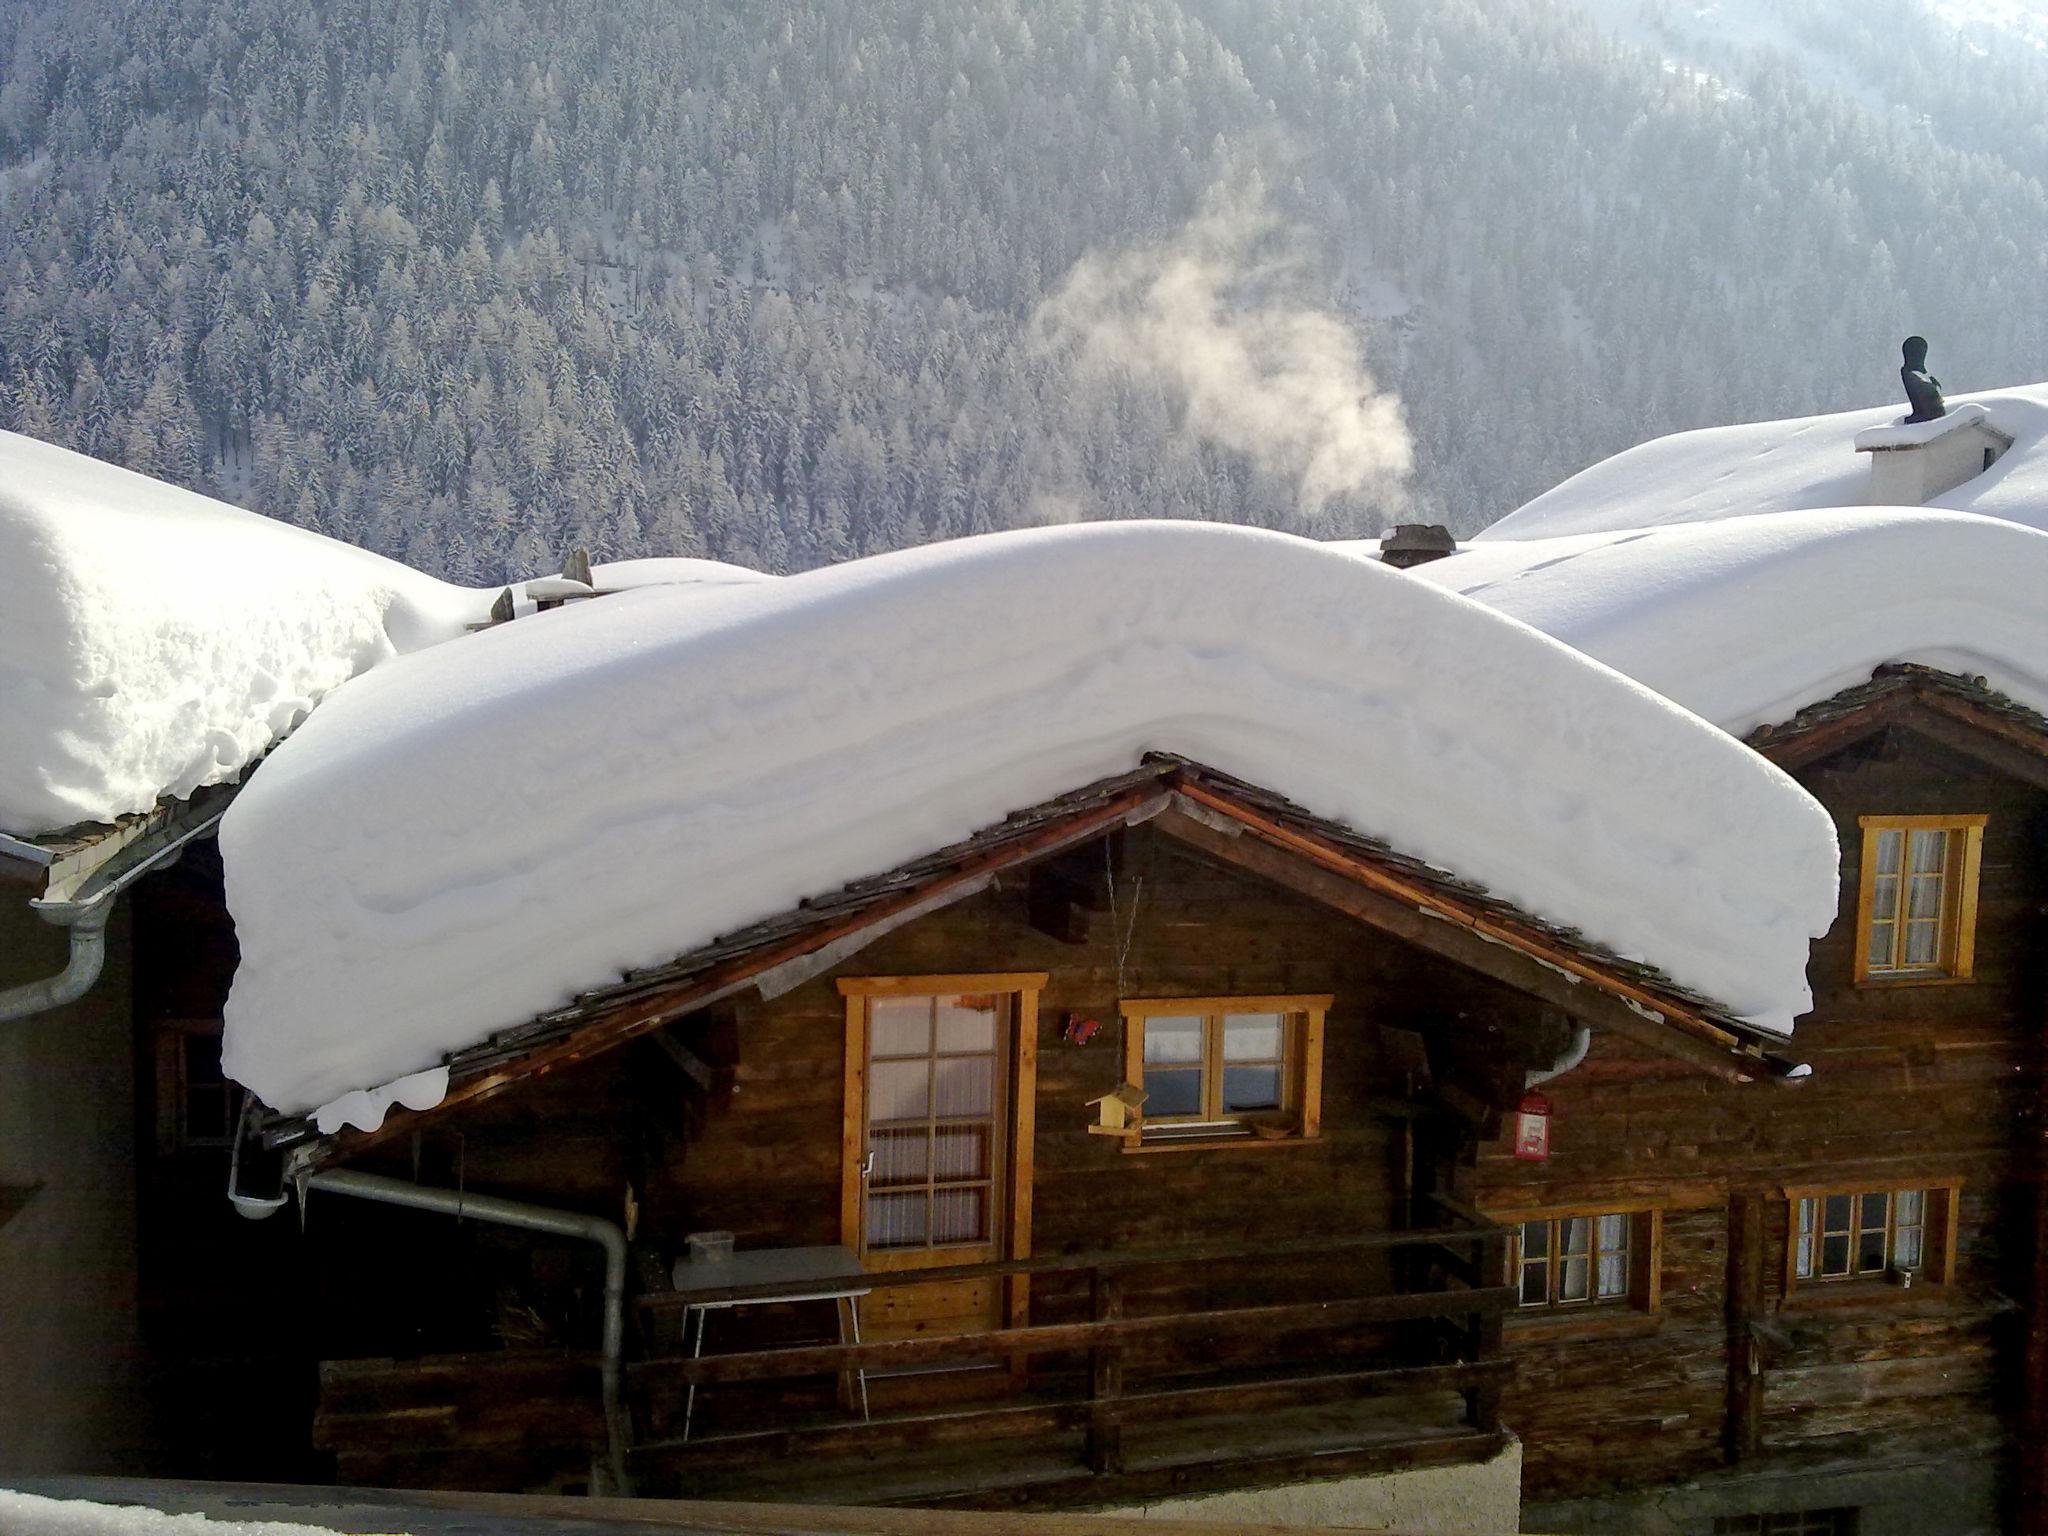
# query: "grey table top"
828,1271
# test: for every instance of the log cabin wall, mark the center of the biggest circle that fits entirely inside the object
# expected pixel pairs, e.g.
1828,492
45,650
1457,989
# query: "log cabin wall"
1910,1085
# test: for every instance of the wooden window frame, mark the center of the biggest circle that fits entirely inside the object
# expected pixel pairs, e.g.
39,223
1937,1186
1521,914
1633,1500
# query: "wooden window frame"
1962,868
1939,1221
174,1133
1301,1075
1645,1294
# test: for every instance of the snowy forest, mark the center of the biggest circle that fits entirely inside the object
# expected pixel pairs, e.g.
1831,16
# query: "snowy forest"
782,281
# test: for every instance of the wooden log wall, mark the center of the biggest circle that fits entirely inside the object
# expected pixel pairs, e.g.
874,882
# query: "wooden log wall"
1910,1084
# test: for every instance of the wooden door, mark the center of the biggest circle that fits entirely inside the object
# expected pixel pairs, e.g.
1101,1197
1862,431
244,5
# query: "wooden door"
937,1144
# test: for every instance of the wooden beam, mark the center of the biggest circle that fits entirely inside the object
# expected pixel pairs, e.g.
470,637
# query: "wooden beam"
1743,1420
692,1066
1501,956
1002,1343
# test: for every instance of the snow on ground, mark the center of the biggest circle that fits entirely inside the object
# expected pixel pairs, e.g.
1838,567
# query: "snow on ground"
1746,619
1781,466
27,1514
476,832
153,641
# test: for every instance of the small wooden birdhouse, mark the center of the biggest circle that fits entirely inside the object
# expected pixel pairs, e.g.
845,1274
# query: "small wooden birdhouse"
1121,1112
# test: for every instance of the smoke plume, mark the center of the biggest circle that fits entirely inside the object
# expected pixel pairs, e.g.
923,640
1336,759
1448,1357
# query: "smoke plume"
1222,316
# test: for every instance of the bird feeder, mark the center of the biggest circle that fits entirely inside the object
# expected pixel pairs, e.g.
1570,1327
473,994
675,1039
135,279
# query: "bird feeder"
1120,1111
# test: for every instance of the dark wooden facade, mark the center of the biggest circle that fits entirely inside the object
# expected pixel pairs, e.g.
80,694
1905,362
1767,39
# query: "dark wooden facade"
1733,1380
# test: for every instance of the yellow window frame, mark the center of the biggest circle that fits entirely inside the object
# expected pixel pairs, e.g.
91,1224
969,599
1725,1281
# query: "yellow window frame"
1962,864
1301,1074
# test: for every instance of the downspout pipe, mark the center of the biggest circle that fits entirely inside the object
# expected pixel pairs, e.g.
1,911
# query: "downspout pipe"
1575,1053
530,1218
86,926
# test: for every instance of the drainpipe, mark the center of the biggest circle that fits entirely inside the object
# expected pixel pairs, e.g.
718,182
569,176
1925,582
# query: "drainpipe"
1574,1054
87,926
532,1218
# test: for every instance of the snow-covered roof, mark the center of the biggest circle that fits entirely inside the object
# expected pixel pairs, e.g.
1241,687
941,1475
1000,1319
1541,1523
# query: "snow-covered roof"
475,833
153,641
1745,620
1783,466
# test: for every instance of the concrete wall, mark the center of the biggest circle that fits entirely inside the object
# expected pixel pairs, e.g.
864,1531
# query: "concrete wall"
1912,477
1480,1499
71,1376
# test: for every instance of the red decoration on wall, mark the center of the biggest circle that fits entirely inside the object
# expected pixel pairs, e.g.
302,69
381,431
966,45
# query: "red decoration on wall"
1532,1129
1076,1030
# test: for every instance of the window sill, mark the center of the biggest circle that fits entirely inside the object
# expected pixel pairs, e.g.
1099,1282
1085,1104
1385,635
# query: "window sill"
1886,983
1611,1322
1246,1143
1830,1296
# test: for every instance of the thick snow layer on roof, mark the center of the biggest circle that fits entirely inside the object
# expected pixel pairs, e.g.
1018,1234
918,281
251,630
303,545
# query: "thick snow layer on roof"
1747,619
477,832
1782,466
153,641
28,1514
673,571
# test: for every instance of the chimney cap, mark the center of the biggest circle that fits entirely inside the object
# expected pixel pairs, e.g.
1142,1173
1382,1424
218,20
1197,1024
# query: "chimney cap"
1416,544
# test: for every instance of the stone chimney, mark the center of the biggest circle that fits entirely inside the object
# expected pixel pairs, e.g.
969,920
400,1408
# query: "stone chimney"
1416,544
1912,462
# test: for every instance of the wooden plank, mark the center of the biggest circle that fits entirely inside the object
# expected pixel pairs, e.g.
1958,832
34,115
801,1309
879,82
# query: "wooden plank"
1105,1376
1742,1426
1503,957
852,1123
1023,1161
821,1359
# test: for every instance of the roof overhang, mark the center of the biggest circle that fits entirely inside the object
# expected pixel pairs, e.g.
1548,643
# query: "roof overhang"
1961,712
84,865
1230,820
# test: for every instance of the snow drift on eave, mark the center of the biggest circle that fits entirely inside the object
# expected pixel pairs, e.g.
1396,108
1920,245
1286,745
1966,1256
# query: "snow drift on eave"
1781,466
477,832
153,641
1747,620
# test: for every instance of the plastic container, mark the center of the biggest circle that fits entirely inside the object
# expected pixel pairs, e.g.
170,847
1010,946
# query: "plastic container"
709,1247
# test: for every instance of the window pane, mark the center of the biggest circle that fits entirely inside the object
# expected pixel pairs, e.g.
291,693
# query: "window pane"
1535,1239
1248,1088
896,1221
1889,845
1834,1254
1576,1233
1535,1283
898,1090
1870,1252
1571,1285
966,1085
1251,1036
1809,1208
1929,849
1173,1092
1613,1275
1805,1260
901,1157
1924,899
1911,1203
960,1152
960,1216
1906,1250
1173,1039
1884,900
1923,943
967,1023
1836,1213
1613,1233
899,1026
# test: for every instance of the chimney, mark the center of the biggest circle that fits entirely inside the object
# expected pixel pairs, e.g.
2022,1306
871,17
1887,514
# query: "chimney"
1416,544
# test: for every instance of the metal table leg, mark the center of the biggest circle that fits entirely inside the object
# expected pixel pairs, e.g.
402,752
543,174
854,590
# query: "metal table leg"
860,1372
696,1353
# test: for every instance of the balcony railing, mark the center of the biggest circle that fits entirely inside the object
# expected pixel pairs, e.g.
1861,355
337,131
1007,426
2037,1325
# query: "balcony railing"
1307,1337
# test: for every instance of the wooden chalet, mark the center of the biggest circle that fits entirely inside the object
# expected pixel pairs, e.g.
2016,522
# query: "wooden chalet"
1818,1308
1275,1269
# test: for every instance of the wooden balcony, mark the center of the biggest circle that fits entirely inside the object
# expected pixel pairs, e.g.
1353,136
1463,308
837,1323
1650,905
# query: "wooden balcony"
1151,1374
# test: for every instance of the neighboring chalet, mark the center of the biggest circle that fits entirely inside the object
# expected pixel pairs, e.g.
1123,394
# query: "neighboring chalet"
1848,1330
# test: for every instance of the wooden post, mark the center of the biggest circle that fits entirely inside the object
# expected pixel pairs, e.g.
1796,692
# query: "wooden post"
1742,1425
2033,1447
1482,1403
1105,1376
